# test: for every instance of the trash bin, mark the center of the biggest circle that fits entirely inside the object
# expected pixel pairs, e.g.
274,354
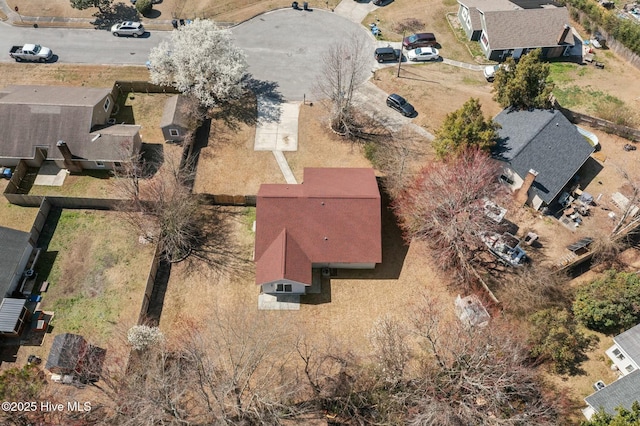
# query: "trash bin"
182,22
174,22
305,5
294,5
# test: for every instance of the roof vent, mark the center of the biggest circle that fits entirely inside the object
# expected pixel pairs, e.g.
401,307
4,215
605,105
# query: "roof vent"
326,238
95,138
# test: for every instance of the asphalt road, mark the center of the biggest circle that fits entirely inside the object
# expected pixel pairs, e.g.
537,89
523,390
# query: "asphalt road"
283,47
82,46
286,47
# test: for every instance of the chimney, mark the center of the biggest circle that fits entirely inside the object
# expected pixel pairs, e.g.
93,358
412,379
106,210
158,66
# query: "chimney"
563,35
71,165
523,193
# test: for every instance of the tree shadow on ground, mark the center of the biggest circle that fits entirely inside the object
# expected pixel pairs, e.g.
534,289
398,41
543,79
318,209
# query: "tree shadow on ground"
214,245
152,158
394,249
118,12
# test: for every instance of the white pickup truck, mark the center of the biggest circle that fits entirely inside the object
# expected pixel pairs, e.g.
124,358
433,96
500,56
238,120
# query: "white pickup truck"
31,52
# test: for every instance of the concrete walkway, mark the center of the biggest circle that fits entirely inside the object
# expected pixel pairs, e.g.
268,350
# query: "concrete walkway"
277,131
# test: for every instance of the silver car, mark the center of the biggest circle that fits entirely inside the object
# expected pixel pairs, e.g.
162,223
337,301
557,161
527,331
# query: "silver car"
128,28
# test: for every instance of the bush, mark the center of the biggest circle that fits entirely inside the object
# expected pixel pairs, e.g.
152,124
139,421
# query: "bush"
144,6
143,336
610,304
554,338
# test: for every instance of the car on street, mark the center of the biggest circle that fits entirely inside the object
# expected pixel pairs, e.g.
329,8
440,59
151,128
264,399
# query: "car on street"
128,28
381,2
419,40
401,105
423,54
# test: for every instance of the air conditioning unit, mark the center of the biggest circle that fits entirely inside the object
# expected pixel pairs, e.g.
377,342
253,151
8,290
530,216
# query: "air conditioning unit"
326,272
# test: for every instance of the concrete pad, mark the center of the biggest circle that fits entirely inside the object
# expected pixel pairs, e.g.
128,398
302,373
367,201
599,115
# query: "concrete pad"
50,175
284,302
277,127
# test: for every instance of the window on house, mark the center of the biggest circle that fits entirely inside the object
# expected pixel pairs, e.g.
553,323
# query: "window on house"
630,368
99,164
117,164
174,132
285,288
618,354
107,104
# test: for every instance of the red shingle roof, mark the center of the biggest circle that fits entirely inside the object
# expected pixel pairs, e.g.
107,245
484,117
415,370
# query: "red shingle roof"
333,217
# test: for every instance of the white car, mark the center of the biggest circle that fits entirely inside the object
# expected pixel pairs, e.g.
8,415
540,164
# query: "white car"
490,71
128,28
423,54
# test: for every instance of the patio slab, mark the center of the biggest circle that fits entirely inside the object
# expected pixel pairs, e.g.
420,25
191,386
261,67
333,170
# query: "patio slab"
50,175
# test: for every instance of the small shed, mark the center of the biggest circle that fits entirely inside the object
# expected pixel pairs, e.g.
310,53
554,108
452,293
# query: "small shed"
174,122
471,311
72,355
13,316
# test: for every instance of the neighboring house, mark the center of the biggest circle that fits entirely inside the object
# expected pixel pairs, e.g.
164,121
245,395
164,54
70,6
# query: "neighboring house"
623,392
15,252
625,352
512,28
541,152
68,125
72,355
174,122
332,220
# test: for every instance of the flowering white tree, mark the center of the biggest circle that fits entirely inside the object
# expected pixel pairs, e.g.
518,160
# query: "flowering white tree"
200,60
143,336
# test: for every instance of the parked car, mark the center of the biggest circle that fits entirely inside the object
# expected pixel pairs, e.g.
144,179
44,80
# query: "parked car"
423,54
400,104
419,40
385,54
382,2
128,28
489,72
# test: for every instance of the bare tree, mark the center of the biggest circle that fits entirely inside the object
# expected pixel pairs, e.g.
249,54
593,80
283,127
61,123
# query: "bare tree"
530,289
446,207
344,69
391,349
481,375
398,157
160,207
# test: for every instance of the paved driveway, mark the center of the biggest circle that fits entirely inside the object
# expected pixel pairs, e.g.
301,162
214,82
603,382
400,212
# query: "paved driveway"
286,46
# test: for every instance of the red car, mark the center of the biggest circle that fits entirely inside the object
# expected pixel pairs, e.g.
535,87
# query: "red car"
419,40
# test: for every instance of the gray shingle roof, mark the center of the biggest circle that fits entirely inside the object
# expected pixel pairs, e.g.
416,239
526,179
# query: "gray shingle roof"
545,141
12,248
66,352
40,116
622,392
629,341
525,29
173,114
10,310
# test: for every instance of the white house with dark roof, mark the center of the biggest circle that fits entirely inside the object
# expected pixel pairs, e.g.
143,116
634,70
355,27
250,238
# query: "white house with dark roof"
512,28
625,354
541,152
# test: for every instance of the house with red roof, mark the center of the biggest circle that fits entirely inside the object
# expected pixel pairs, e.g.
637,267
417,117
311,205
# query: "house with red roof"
331,220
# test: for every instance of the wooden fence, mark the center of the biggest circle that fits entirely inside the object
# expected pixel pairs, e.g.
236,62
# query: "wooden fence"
229,200
148,291
598,123
143,87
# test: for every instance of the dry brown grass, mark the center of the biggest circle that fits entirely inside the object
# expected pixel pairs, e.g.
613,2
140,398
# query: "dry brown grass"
69,75
436,90
432,18
228,11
